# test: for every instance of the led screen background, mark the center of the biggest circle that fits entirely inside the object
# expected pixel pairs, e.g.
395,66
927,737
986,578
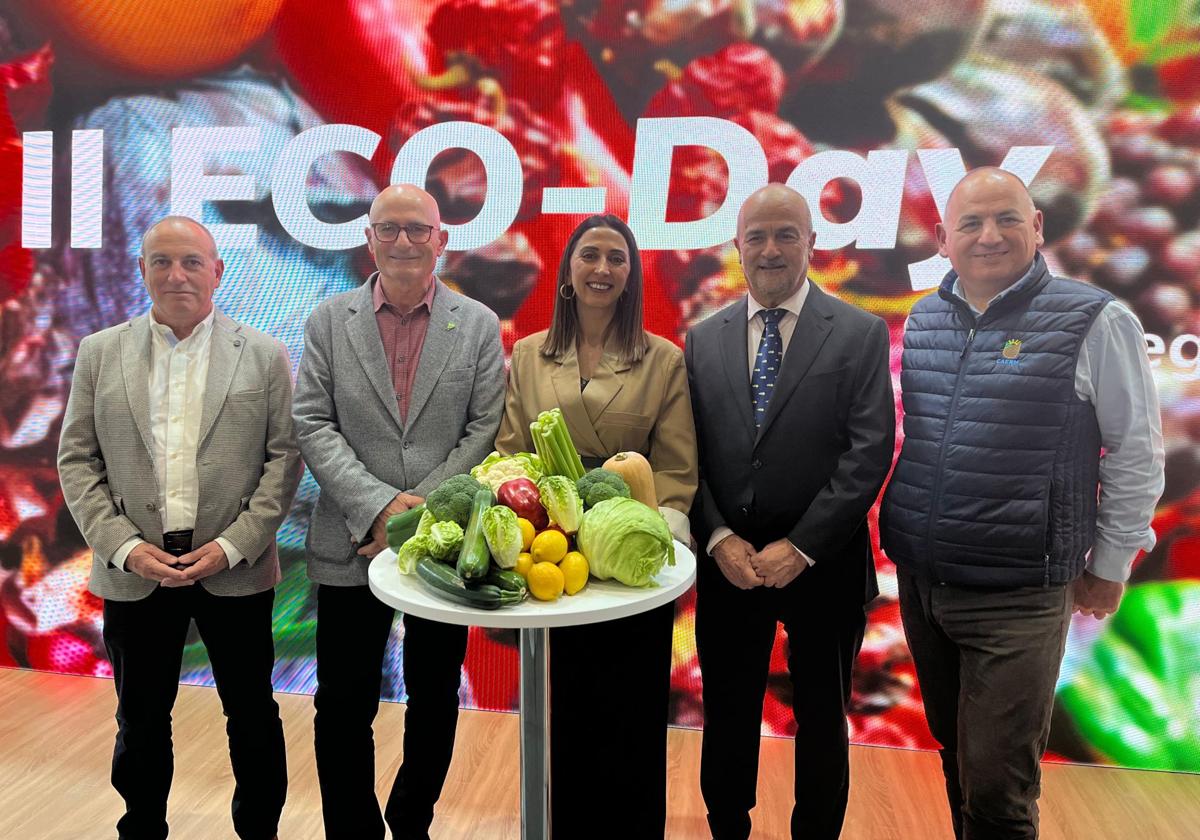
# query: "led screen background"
118,112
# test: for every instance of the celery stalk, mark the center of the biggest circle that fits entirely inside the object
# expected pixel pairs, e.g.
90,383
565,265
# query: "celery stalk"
554,446
572,463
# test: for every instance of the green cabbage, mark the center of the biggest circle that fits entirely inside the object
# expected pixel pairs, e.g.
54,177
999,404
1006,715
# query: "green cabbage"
561,500
414,548
433,539
445,538
425,523
503,535
497,469
625,540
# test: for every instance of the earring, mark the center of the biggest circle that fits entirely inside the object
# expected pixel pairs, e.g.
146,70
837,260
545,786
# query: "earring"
562,292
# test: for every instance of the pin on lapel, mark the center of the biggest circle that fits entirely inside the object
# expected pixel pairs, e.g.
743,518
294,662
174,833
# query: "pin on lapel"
451,325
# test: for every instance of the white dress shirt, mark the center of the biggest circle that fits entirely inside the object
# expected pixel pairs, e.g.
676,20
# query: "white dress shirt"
754,332
1113,374
178,374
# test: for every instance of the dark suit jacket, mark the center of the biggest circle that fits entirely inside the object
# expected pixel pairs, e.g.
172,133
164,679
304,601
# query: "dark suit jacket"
814,468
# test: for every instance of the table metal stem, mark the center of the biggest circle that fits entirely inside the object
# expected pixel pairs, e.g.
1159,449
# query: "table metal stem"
535,733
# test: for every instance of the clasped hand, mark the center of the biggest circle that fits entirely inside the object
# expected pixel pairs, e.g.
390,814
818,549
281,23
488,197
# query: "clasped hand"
378,532
777,565
151,562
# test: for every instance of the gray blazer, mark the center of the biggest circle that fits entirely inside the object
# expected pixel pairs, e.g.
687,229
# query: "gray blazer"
247,461
349,426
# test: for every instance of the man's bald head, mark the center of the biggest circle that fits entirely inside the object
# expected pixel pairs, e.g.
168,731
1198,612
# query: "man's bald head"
774,242
990,233
406,196
990,177
405,238
780,199
180,224
181,270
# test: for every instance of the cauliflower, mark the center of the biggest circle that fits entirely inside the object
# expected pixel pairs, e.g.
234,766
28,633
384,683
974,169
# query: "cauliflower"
497,469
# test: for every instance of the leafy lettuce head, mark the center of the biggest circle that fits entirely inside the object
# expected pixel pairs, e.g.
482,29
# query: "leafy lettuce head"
625,540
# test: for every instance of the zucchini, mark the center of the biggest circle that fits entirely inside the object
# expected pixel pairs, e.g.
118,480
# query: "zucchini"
445,583
402,526
508,581
474,560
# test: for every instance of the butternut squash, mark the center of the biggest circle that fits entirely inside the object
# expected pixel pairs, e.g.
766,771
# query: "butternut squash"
635,469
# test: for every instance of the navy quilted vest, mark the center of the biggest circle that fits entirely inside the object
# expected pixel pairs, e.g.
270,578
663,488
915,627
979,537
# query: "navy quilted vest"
997,481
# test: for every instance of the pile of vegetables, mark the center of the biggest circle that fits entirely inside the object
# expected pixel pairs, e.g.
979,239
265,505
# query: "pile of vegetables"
535,524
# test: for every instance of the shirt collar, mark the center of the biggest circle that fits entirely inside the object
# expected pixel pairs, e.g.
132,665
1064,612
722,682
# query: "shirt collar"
793,304
379,299
168,335
958,290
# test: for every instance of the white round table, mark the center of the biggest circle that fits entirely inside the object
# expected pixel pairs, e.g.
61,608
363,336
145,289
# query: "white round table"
599,601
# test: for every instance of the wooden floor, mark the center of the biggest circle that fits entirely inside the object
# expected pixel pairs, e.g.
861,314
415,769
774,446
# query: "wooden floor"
56,737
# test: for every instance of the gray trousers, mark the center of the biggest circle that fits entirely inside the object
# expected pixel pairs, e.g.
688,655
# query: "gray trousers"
987,660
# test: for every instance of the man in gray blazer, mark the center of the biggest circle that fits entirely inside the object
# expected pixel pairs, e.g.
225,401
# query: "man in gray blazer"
401,386
178,461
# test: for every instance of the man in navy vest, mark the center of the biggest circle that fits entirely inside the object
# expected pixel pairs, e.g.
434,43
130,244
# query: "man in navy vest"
1002,515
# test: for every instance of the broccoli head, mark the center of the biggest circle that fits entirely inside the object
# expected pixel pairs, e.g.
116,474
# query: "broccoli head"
451,501
599,485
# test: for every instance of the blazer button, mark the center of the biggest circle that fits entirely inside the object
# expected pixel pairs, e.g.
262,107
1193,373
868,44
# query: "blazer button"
757,464
745,511
408,444
151,508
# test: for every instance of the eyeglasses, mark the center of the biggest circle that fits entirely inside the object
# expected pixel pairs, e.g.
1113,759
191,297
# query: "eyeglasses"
390,232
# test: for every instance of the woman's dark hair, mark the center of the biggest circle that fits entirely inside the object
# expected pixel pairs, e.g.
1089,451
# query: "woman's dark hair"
627,321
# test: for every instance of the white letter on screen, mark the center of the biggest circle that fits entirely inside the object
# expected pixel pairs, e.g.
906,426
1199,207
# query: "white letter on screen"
87,188
574,200
190,187
1155,347
289,179
880,178
653,147
37,170
505,179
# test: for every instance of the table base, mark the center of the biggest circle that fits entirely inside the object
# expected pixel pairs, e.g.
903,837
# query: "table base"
535,733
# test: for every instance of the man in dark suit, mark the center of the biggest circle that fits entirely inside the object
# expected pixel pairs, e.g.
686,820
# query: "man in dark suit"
795,427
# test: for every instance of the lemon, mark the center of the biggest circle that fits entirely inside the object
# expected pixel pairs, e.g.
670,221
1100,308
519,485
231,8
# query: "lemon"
545,581
527,533
549,547
575,572
524,564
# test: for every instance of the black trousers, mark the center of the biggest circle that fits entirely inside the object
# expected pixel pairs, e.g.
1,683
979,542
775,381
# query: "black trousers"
735,631
352,633
145,642
987,660
610,688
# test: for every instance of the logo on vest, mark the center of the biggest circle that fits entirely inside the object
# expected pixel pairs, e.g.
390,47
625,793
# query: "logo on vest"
1011,353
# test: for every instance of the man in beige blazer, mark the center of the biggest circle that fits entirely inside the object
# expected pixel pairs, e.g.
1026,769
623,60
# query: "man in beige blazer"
178,461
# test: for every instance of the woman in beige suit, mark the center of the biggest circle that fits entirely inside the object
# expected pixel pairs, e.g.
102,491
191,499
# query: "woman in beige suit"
620,389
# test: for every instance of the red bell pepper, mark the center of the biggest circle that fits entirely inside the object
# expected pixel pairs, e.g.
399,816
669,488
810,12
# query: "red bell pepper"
523,497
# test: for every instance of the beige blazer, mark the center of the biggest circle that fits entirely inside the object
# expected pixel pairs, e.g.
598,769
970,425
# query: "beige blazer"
248,462
644,407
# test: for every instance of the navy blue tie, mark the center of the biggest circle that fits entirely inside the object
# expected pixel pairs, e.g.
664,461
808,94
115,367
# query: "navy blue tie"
766,363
